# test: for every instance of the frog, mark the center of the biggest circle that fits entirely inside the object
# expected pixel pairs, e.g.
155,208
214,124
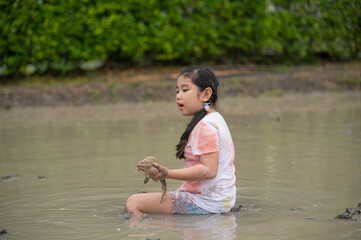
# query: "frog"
146,166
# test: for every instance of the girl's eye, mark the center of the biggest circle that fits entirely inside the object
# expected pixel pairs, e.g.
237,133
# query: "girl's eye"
183,90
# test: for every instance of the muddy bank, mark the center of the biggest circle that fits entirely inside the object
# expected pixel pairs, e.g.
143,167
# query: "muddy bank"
157,85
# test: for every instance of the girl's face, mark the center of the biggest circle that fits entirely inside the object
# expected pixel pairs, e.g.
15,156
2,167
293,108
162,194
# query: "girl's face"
188,98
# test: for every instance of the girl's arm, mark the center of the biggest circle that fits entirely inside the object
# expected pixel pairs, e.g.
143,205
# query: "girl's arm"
207,169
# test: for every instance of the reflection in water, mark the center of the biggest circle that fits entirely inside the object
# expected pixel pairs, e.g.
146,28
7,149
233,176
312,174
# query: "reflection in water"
215,226
291,153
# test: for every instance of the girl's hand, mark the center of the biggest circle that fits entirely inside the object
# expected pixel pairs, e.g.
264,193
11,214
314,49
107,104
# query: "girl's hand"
163,172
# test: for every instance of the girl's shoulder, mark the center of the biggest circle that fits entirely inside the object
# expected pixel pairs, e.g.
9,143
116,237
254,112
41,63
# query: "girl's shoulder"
216,120
207,123
213,118
213,115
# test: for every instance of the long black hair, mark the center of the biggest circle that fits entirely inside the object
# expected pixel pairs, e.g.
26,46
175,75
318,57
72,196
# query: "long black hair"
203,78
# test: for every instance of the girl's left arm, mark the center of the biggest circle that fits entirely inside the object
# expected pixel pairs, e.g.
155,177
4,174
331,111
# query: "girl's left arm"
206,169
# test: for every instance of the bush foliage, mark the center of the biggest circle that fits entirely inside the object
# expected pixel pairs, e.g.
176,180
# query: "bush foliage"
60,35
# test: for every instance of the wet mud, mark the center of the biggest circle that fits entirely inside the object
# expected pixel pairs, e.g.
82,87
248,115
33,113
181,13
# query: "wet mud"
10,177
351,214
237,207
297,210
313,133
14,176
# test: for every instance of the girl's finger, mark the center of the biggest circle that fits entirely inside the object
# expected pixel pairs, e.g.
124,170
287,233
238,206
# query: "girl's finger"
164,172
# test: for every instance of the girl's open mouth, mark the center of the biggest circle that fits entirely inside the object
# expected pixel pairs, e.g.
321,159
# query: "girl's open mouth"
180,106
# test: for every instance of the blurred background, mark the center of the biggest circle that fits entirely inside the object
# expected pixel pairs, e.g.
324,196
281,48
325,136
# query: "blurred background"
112,41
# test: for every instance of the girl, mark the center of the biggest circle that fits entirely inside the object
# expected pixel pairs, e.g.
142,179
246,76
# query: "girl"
207,149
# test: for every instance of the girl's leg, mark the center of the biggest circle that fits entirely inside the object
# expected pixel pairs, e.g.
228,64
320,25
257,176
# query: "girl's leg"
149,203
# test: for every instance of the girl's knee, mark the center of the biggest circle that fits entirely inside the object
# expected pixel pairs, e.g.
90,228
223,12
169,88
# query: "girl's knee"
133,204
149,203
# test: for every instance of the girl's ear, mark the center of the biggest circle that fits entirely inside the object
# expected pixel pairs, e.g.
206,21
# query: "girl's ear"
206,94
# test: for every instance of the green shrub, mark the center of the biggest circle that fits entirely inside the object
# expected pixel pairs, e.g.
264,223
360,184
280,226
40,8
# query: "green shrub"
61,35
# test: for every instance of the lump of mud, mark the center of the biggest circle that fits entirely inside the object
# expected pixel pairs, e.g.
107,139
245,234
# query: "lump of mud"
351,214
237,207
298,210
3,231
10,177
127,215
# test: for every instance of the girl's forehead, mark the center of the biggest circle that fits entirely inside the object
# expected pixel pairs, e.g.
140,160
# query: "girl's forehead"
184,81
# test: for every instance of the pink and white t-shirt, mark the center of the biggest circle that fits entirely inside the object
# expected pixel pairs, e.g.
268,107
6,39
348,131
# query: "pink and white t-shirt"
215,195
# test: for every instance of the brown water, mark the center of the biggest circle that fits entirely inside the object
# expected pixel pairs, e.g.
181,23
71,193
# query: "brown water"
298,163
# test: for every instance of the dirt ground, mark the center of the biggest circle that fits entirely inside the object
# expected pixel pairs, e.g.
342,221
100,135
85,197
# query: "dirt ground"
158,84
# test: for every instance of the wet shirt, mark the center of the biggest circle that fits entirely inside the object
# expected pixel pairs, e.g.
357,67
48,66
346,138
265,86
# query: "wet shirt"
210,135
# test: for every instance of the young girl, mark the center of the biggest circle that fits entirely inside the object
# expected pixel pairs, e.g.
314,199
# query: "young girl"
207,149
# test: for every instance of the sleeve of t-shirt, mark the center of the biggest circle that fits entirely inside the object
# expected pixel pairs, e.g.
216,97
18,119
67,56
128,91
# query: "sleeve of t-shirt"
205,139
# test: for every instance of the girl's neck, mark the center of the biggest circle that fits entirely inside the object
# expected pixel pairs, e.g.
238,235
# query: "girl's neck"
211,110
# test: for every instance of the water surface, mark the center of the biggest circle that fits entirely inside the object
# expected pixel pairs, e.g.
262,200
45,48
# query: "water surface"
298,164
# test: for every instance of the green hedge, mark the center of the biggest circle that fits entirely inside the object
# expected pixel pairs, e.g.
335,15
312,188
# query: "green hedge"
61,35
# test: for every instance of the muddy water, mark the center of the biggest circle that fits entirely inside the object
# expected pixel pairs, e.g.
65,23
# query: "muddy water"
298,162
